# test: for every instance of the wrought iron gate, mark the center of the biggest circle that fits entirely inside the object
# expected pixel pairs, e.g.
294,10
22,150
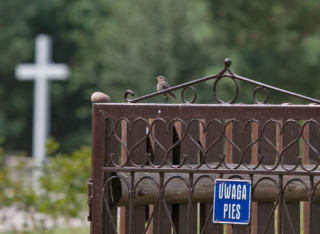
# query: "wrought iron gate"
158,163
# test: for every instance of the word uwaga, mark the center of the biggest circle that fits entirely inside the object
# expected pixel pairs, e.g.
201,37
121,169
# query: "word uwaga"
232,192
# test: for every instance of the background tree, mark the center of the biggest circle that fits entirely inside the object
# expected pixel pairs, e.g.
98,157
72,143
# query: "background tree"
114,45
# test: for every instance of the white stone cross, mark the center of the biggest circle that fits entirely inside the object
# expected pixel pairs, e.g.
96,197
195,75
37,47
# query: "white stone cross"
41,72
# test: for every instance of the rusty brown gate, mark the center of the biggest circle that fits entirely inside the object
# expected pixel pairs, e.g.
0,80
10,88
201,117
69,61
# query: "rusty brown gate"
154,165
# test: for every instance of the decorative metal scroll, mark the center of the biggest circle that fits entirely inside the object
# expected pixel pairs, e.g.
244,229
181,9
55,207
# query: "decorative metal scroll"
218,77
221,164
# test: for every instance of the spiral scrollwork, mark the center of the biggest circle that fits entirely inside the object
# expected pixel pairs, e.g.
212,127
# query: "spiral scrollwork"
126,96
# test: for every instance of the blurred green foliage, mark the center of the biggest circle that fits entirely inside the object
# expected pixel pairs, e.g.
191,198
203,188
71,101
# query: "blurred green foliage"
62,191
117,45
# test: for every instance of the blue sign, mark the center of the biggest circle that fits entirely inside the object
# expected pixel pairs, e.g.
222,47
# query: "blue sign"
232,201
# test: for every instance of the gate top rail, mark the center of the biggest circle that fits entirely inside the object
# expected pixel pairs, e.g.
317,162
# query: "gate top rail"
209,111
218,77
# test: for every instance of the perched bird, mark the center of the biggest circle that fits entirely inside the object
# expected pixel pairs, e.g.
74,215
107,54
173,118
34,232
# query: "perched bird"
163,84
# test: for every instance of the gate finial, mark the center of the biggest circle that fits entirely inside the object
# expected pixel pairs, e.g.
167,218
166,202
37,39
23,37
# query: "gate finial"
227,62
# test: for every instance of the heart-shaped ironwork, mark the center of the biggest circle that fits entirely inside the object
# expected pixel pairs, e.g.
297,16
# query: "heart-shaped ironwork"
230,141
196,142
215,141
139,141
272,145
309,145
242,152
251,144
167,151
290,144
157,142
130,127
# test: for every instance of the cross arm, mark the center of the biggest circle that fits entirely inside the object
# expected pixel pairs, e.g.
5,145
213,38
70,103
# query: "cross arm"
50,72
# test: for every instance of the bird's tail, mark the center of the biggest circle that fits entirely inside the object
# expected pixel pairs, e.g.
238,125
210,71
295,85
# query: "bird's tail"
175,99
171,95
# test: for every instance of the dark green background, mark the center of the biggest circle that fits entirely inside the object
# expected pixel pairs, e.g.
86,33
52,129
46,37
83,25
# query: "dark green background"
117,45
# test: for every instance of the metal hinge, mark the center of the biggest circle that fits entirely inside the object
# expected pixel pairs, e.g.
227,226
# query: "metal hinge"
89,201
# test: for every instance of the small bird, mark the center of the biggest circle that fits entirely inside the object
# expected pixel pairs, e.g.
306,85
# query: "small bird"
163,84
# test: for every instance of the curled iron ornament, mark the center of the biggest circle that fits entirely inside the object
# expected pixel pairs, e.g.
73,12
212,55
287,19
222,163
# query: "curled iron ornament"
266,92
126,95
215,90
194,92
220,75
221,130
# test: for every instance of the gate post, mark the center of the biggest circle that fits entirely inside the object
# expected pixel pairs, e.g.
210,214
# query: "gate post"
98,159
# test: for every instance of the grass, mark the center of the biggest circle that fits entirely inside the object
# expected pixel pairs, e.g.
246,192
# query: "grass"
82,230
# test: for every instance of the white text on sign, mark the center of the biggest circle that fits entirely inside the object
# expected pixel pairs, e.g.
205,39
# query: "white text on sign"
234,192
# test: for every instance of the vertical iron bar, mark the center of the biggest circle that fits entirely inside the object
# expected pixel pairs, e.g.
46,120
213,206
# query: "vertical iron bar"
305,161
254,161
290,131
219,227
176,152
249,225
189,201
241,136
280,197
131,203
208,136
123,227
157,156
314,139
134,133
229,159
188,149
311,203
267,153
161,195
